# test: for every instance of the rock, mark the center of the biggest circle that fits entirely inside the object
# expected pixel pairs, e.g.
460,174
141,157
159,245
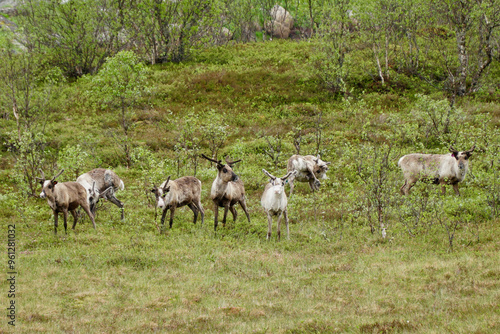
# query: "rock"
7,24
8,6
281,23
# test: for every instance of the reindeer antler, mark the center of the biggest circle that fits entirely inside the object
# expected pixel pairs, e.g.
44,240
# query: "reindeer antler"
472,149
289,174
452,149
54,178
43,175
166,183
268,174
218,162
230,162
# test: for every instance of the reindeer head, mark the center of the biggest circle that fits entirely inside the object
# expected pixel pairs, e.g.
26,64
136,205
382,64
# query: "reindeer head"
462,157
278,184
321,166
48,185
93,196
225,172
465,155
160,193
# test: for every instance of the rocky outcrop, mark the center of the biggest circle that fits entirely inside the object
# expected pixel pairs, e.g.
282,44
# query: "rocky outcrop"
7,24
8,6
281,23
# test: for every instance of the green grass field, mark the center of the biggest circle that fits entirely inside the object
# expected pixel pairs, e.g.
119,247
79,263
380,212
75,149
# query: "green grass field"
437,271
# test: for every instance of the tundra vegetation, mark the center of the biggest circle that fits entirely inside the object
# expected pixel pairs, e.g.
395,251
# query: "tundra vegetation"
361,90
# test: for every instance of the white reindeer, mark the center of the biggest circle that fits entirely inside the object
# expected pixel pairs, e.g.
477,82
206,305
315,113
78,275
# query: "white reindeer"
440,169
274,201
102,183
309,169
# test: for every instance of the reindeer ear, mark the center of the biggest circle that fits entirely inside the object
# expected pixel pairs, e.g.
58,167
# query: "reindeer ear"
54,182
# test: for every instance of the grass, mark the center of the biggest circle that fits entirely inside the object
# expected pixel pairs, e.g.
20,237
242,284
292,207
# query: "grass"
332,276
125,277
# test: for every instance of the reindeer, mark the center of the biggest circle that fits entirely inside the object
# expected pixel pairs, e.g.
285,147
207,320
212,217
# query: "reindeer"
309,169
274,201
64,197
174,194
441,169
227,190
101,183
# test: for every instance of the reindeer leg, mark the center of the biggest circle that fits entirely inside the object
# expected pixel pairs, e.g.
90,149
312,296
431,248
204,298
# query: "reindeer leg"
226,207
455,187
216,216
164,213
172,211
311,185
408,185
402,190
234,212
116,202
314,181
65,216
56,217
202,211
86,208
75,218
443,189
193,208
286,222
269,225
243,204
279,226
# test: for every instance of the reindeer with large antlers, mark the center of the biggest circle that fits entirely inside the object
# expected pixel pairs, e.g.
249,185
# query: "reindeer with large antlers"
227,190
64,197
438,168
274,201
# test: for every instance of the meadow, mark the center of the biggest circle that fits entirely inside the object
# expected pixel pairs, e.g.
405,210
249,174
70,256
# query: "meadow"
437,269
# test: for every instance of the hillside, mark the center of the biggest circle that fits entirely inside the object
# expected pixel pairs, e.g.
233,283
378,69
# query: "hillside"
435,270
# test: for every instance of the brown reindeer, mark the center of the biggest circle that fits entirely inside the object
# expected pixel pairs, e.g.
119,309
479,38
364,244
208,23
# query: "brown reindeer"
227,190
64,197
174,194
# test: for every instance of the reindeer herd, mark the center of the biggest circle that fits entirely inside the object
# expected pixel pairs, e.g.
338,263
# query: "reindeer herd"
228,189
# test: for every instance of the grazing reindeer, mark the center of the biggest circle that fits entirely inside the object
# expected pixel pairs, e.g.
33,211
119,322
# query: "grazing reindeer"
64,197
101,183
309,169
174,194
227,190
439,168
274,201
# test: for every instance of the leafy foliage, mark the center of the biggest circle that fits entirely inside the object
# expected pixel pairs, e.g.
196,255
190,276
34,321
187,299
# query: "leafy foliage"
355,234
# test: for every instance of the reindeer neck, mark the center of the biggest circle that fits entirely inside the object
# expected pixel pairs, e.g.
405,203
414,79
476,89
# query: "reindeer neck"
220,187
